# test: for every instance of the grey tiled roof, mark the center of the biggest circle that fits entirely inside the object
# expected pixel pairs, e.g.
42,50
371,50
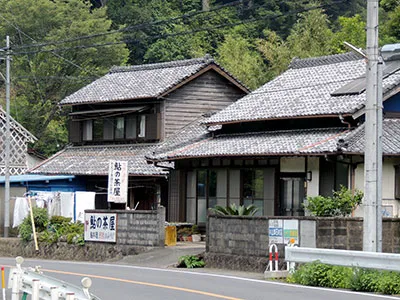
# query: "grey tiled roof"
142,81
304,90
289,142
191,133
390,138
94,160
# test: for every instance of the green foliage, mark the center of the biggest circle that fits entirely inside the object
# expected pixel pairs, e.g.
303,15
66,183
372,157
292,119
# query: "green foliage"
240,57
356,279
365,280
42,79
40,219
191,261
342,203
233,210
314,274
51,231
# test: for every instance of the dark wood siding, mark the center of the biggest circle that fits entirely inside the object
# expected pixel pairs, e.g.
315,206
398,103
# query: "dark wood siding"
153,127
75,135
206,93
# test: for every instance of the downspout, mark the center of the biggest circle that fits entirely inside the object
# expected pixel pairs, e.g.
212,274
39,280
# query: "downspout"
344,122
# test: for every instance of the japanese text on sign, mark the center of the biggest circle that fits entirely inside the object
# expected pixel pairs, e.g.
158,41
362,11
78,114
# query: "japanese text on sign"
101,227
118,181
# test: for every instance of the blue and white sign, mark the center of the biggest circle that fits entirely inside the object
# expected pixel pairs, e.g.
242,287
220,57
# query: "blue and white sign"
101,227
275,231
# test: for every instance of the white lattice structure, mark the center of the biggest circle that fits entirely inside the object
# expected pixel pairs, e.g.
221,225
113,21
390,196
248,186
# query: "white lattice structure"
20,137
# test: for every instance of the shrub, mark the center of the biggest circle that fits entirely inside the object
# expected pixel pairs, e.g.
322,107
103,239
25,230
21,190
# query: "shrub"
234,210
41,221
342,203
357,279
51,231
191,261
314,274
365,280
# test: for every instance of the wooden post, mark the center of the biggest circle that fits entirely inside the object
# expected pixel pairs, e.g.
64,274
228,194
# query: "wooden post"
33,224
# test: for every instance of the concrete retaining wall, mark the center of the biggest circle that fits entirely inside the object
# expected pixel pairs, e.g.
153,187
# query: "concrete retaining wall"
241,243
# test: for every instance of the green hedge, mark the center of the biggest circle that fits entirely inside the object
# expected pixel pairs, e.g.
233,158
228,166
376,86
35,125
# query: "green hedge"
356,279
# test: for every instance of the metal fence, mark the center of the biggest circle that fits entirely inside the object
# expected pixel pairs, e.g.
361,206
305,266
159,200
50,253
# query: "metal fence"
362,259
31,281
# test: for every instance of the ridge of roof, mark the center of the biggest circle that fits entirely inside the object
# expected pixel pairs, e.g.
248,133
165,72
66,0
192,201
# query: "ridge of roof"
298,63
207,59
283,131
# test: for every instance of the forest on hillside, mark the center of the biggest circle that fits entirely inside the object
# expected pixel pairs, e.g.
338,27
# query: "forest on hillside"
58,46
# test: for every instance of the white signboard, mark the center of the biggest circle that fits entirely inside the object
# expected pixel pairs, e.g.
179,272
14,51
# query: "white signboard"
291,231
101,227
275,231
118,181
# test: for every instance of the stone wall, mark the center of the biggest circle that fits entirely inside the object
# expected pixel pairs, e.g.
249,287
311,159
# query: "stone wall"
137,231
142,228
98,252
241,243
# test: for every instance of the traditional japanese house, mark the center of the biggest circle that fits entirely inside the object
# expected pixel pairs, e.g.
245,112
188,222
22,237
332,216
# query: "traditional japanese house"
299,135
125,114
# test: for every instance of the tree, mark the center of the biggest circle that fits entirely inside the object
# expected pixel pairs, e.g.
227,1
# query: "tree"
41,79
351,30
309,37
242,59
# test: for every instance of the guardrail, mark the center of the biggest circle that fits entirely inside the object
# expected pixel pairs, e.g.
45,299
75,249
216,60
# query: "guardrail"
372,260
32,281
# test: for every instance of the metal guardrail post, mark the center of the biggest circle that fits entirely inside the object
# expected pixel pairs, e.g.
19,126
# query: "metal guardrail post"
15,286
70,296
54,293
35,289
32,281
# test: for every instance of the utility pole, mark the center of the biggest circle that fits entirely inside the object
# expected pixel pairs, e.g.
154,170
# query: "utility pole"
7,140
372,237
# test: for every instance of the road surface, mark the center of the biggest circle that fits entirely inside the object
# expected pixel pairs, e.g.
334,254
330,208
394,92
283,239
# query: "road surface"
117,282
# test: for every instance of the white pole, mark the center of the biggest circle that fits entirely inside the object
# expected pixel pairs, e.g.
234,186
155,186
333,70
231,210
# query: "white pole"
35,289
372,237
54,293
7,145
15,286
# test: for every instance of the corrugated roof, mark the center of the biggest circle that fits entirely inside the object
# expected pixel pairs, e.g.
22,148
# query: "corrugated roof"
142,81
304,90
34,177
94,160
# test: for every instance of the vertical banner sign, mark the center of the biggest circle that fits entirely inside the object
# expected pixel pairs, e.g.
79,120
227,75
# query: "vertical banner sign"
291,231
101,227
275,231
118,181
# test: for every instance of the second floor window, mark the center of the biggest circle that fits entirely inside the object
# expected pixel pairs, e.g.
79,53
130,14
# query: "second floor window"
118,128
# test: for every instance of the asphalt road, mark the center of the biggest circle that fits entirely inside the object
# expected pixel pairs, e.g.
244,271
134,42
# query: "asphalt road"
116,281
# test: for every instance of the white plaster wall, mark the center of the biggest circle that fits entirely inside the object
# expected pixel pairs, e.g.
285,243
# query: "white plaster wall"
388,177
14,192
313,185
292,164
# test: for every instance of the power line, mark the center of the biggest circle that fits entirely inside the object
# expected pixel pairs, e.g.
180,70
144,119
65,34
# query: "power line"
133,27
152,37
